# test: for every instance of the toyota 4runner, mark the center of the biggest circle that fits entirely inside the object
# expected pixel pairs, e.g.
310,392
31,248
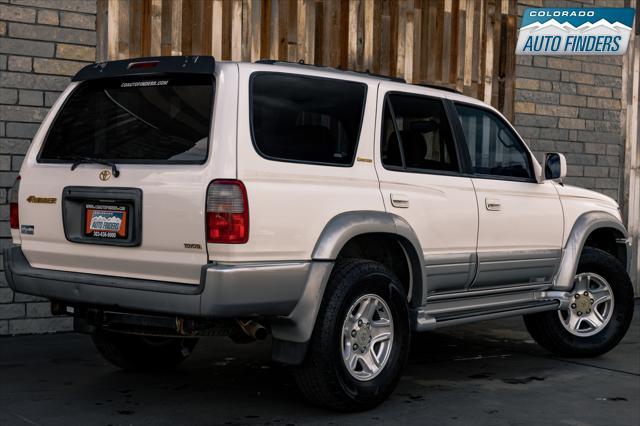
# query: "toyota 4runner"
166,199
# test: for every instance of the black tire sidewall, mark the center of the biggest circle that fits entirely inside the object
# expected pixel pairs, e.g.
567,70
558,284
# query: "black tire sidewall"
597,262
547,329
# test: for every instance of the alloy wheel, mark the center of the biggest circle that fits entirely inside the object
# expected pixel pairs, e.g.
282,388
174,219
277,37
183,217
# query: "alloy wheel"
367,337
590,306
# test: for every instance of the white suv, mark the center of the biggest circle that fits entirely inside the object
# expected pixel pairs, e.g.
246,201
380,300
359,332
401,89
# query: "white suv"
165,199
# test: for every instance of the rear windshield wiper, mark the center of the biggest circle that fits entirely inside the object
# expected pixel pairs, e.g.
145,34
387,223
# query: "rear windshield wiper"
86,160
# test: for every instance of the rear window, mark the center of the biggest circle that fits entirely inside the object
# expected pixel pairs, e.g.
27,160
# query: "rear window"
135,120
306,119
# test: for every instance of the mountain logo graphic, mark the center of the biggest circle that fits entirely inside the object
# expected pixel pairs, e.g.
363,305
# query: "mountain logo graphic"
588,31
107,221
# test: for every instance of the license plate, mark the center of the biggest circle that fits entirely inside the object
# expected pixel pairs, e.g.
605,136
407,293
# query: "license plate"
106,221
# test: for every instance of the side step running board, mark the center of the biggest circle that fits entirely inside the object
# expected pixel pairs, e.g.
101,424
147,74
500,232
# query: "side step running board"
426,319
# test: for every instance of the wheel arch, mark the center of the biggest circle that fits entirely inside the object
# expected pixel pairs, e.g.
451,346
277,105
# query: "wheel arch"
292,334
592,229
347,234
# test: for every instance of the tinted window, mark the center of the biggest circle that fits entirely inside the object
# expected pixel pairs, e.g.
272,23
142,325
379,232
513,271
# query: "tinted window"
306,119
136,120
421,138
493,147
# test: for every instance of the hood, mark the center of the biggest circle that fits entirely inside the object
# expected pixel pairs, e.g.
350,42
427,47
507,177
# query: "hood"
568,191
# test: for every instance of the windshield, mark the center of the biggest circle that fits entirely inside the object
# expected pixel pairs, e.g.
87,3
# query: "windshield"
153,119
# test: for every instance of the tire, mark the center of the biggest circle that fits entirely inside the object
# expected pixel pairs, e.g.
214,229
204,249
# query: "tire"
324,378
548,330
142,353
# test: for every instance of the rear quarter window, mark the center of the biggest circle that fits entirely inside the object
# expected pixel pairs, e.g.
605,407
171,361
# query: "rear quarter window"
159,119
306,119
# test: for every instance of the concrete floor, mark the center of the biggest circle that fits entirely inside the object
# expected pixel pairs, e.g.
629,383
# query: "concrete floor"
484,374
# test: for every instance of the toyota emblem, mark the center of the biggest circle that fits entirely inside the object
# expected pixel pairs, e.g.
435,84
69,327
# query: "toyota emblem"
104,175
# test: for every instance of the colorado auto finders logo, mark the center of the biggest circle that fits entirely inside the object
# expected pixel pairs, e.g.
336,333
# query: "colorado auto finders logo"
588,31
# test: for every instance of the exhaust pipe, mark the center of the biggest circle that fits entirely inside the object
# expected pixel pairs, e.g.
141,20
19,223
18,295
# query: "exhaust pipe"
253,329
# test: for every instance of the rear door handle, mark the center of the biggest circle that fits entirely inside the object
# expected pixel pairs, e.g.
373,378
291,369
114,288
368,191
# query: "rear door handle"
400,201
492,204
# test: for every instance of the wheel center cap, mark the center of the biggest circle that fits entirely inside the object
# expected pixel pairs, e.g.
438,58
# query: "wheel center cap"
362,337
583,304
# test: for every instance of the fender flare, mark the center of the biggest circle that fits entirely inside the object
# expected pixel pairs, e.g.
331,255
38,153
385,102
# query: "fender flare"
346,226
582,228
292,333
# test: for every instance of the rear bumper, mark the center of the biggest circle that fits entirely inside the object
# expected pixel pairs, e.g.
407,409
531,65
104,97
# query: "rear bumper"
225,290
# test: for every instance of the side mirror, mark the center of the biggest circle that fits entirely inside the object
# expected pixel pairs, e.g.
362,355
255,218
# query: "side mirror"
555,166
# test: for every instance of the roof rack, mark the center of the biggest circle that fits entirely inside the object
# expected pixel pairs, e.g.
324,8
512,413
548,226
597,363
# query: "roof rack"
301,62
276,61
386,77
439,87
367,73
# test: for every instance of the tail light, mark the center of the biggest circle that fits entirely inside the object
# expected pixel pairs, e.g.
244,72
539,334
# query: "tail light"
227,212
14,220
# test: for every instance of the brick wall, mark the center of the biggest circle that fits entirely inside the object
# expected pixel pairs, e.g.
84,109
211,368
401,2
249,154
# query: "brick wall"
42,43
573,105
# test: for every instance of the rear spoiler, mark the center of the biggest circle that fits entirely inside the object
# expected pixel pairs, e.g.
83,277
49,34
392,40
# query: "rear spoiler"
148,66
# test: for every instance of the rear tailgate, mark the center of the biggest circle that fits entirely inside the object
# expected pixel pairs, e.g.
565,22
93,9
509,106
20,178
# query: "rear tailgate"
149,221
172,219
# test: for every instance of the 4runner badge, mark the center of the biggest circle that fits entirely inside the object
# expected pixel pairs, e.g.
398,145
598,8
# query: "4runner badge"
104,175
41,200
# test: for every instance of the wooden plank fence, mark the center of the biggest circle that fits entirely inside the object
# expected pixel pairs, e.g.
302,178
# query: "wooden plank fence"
466,44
